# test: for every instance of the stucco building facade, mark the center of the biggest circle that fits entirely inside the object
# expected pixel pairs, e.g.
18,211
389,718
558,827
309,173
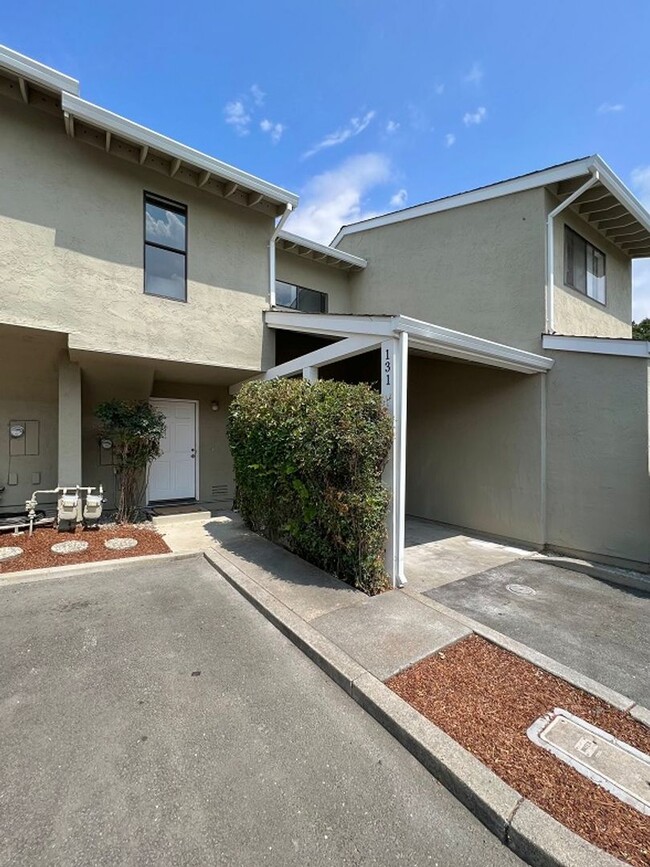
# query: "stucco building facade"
136,267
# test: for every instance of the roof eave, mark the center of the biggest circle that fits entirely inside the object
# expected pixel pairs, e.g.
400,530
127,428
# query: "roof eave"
87,112
36,73
322,252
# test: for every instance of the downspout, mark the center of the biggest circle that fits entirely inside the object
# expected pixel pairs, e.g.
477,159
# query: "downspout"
283,219
550,249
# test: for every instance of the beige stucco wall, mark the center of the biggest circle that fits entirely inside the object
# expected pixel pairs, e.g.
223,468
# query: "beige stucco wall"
125,379
316,275
28,392
575,314
478,269
598,487
71,235
474,448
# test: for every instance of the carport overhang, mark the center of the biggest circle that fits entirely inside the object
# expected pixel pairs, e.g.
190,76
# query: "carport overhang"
394,336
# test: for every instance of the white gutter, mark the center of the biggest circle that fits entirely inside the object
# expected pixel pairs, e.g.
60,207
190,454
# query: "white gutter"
550,248
145,138
323,249
24,67
278,228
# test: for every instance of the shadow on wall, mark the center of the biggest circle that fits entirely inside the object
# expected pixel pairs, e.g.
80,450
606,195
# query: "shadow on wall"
104,215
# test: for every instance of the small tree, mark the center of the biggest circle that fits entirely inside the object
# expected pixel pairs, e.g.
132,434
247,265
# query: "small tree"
135,429
641,330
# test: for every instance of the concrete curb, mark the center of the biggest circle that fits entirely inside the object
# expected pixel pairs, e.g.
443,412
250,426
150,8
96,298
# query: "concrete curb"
77,569
616,699
528,831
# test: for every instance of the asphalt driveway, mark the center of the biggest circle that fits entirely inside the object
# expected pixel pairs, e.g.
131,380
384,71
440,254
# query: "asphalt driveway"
150,715
599,629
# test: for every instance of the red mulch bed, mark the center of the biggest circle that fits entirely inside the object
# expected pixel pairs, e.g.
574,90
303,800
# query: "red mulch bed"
486,698
37,554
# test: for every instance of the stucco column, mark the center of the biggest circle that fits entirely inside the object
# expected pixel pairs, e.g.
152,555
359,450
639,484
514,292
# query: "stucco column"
394,379
69,423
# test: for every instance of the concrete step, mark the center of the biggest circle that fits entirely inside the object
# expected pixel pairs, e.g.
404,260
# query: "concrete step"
183,518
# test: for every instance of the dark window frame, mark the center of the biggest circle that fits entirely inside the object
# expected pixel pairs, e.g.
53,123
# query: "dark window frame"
180,209
568,231
299,289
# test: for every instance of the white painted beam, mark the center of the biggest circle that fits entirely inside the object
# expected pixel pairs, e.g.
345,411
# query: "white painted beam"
394,379
338,351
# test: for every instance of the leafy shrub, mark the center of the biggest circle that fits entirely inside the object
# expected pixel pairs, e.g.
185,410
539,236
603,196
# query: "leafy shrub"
308,463
136,428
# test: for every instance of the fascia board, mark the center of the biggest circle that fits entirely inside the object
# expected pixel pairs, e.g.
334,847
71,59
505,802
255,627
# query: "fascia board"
623,347
38,73
128,129
494,191
341,255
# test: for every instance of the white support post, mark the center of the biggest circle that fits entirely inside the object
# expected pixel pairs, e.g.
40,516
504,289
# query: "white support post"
310,374
394,379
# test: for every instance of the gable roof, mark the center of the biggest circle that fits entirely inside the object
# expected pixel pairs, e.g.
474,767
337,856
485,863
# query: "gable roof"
608,205
42,86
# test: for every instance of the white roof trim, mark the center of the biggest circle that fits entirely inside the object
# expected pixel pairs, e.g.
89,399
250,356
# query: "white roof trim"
422,335
543,178
623,346
38,73
339,255
140,135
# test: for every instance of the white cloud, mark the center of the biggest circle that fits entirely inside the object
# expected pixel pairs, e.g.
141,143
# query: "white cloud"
474,118
439,89
355,126
237,116
609,107
641,184
333,198
399,199
275,130
641,267
450,139
392,126
258,94
475,75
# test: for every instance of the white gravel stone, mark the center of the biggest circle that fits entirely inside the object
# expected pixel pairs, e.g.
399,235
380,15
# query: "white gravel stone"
8,553
120,544
70,547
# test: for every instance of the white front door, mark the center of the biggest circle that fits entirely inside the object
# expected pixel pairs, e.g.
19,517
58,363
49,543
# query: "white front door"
173,474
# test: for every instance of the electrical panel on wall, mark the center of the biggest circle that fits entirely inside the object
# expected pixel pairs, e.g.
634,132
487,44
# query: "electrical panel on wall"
24,438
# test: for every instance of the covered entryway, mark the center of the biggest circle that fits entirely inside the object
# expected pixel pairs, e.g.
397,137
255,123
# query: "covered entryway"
399,341
173,475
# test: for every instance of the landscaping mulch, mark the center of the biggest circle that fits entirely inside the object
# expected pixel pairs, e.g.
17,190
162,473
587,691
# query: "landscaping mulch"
37,554
486,698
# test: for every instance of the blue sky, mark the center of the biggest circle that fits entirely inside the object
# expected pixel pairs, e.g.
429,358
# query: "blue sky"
363,106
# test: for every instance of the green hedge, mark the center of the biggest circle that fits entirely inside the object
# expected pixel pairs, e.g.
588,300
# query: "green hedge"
308,463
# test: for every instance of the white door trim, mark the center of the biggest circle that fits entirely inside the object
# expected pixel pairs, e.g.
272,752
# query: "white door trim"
159,399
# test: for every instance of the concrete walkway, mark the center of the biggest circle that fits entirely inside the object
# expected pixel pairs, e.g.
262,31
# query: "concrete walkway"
575,620
150,716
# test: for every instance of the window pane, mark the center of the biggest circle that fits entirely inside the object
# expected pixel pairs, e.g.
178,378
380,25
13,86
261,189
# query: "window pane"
286,295
163,226
164,273
595,274
579,263
310,301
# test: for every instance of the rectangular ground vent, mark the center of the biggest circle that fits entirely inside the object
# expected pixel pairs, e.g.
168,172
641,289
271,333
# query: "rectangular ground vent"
616,766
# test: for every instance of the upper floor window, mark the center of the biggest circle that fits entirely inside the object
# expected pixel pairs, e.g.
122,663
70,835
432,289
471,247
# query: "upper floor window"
300,298
584,266
165,248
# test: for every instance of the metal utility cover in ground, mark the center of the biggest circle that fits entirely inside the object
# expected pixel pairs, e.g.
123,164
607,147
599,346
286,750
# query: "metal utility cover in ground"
616,766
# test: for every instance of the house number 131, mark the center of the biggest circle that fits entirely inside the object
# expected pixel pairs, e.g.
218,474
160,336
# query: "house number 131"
387,367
